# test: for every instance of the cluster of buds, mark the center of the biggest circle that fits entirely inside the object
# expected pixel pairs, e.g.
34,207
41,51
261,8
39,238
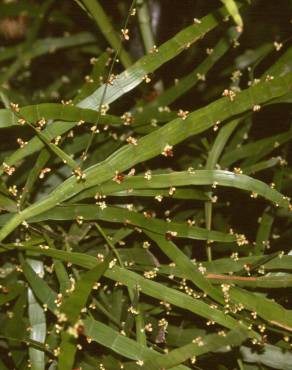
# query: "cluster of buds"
241,239
154,49
148,175
9,170
237,170
147,79
167,151
21,121
278,45
229,93
183,114
88,79
169,235
132,140
21,142
125,34
127,118
14,107
104,109
119,177
110,80
67,102
43,172
77,172
41,123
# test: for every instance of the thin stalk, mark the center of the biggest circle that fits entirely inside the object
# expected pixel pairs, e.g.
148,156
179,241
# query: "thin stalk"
32,343
146,32
117,53
145,25
110,244
105,26
208,221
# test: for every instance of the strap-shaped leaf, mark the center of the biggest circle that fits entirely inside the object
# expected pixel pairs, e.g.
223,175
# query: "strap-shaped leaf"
154,143
122,215
149,359
184,178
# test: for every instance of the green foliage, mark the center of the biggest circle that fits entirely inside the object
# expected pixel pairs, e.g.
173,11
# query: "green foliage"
145,217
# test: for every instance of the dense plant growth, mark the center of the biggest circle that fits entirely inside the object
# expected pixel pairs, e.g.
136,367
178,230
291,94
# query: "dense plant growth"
145,181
